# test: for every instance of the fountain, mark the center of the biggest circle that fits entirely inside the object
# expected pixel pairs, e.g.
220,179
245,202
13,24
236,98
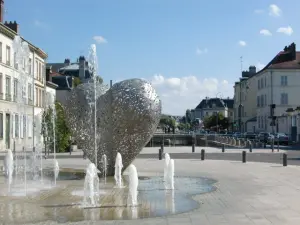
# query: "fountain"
9,167
133,186
118,170
104,166
167,159
56,170
169,184
125,118
91,186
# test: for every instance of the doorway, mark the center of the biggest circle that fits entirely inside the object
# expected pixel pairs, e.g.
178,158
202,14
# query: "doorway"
7,131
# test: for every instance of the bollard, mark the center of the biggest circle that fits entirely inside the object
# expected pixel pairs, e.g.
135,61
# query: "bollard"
284,159
272,146
250,147
244,156
160,153
162,147
223,148
193,147
202,154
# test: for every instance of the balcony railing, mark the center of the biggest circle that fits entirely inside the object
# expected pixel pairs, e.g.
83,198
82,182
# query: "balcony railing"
7,97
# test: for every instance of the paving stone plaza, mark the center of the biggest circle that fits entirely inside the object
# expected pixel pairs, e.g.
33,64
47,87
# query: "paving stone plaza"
246,193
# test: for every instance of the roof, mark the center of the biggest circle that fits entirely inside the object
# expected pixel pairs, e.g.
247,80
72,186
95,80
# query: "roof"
289,58
51,85
55,66
219,103
73,66
11,34
229,103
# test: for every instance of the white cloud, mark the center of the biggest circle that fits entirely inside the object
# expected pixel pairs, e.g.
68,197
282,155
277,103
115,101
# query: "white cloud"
100,39
259,66
285,30
242,43
274,10
181,93
265,32
258,11
201,51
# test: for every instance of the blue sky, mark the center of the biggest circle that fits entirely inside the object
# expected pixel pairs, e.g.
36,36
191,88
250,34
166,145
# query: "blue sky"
188,49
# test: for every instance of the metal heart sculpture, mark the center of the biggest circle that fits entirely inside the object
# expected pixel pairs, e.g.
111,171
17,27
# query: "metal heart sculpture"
126,117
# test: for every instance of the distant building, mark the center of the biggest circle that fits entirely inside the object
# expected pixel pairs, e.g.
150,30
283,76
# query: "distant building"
80,69
209,106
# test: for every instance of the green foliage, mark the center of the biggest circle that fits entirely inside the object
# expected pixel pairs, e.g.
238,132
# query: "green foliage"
188,116
184,126
216,120
62,131
167,121
76,81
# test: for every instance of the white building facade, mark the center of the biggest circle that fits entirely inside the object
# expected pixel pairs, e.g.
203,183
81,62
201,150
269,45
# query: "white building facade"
22,90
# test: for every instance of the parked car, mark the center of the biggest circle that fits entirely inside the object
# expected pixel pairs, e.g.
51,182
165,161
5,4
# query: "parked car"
250,135
279,138
264,137
237,135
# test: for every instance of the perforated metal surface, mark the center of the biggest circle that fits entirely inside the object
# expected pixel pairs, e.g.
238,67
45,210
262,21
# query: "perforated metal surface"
127,117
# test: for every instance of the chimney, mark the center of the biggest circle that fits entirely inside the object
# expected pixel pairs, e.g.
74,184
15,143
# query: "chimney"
82,65
1,11
252,70
12,25
67,62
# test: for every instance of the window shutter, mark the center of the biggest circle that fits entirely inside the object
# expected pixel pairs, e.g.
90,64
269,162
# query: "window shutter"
21,125
29,119
13,126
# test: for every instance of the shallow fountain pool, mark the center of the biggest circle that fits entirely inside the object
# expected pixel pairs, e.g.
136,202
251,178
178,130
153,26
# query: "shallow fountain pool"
63,203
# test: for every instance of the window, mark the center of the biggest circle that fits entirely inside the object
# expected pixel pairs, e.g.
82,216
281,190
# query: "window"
265,99
262,82
284,81
258,121
1,125
30,91
1,52
29,66
8,88
15,89
24,126
8,55
40,72
258,84
36,96
1,86
36,69
284,99
15,61
266,122
265,81
262,100
29,120
21,126
257,101
17,125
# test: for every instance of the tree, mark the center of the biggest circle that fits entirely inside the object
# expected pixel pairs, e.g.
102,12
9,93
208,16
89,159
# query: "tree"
216,120
76,81
188,116
62,131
